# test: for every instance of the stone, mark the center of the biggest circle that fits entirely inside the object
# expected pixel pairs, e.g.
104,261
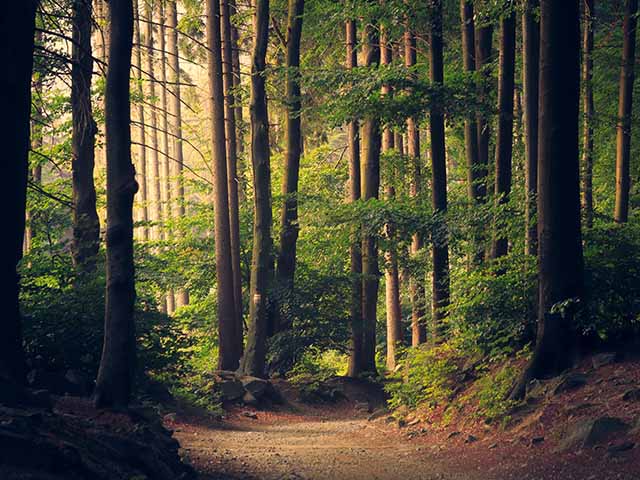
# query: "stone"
231,390
254,385
471,439
251,415
249,400
632,395
603,359
453,434
569,382
618,448
592,432
537,440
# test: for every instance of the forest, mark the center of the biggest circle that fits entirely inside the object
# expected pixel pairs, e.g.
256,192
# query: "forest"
320,239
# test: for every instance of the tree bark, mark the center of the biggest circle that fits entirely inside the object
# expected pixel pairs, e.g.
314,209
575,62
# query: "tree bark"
182,295
530,79
484,40
142,149
239,116
504,134
253,361
116,373
232,158
559,239
440,255
623,139
416,284
355,252
589,112
285,272
86,225
17,25
229,344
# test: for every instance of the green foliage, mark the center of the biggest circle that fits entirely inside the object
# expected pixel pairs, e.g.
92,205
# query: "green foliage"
492,391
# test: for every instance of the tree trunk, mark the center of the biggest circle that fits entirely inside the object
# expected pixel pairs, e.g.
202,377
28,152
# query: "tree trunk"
17,26
589,112
370,186
142,152
285,272
355,253
440,256
230,345
86,226
530,78
484,40
182,295
416,284
253,361
232,159
504,135
239,117
115,377
623,140
156,196
559,239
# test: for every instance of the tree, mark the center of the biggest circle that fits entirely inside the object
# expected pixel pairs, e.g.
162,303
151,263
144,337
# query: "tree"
17,26
232,157
229,344
416,284
589,112
484,41
253,361
559,238
530,77
355,253
86,225
182,295
370,186
504,134
115,376
623,127
285,272
440,254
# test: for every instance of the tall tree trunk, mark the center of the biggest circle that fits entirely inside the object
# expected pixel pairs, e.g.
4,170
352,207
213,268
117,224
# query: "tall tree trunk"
141,168
504,135
182,295
239,117
156,196
115,377
440,256
230,345
470,124
17,25
589,112
86,226
253,361
623,140
484,41
355,253
370,186
530,78
416,283
293,139
559,239
232,158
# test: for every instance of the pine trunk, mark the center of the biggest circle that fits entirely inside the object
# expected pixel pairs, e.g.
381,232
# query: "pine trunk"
589,112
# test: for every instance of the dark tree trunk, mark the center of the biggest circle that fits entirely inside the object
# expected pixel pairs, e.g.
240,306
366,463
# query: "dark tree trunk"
623,140
504,135
293,139
484,41
370,186
416,283
86,225
253,361
589,112
17,25
355,253
440,256
142,155
232,158
115,377
559,238
230,345
530,78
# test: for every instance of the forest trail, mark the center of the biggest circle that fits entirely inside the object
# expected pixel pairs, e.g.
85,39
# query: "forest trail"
311,443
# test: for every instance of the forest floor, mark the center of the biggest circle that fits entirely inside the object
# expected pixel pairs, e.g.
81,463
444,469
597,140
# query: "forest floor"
343,441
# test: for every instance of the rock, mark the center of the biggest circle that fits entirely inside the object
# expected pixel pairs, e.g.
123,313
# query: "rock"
453,434
537,440
413,422
617,448
603,359
80,383
249,399
231,390
632,395
589,433
402,423
492,446
254,385
569,382
471,439
390,419
251,415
